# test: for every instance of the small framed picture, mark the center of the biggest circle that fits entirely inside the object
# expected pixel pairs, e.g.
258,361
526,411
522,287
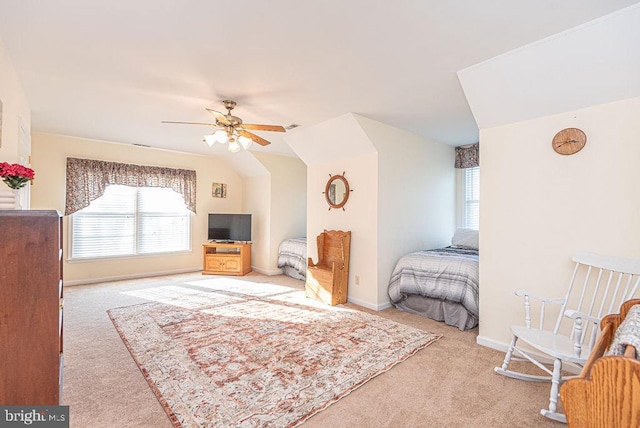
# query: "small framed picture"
219,190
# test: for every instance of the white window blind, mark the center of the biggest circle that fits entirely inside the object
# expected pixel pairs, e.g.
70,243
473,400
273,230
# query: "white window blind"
163,221
472,198
129,221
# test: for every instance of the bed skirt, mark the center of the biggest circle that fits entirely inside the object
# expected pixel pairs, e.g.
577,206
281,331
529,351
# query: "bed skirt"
453,314
293,273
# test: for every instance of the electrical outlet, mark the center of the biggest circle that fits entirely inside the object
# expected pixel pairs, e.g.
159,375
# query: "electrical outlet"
357,279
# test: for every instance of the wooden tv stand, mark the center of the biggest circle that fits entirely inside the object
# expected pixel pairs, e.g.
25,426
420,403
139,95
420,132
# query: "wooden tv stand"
226,259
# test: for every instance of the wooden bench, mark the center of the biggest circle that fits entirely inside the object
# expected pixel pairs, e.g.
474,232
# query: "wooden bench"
328,279
607,392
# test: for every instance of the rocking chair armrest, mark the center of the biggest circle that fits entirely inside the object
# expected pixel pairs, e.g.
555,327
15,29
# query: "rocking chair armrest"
579,329
577,314
557,300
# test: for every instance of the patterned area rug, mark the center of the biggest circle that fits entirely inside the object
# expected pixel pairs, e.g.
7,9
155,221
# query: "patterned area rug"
231,353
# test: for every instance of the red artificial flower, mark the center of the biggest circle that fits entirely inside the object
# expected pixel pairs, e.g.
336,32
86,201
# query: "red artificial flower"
15,175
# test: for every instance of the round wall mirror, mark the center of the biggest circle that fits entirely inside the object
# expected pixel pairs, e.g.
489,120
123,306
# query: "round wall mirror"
337,191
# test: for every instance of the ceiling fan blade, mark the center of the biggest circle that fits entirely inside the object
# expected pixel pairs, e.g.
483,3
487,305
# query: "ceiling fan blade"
254,137
190,123
220,117
273,128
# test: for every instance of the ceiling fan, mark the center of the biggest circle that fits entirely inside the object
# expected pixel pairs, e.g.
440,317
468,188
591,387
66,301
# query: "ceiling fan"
231,129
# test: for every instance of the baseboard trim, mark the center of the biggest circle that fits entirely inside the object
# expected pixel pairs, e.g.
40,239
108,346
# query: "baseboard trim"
384,306
132,276
368,305
493,344
267,271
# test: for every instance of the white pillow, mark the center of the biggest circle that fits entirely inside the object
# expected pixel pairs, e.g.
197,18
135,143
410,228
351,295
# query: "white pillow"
465,238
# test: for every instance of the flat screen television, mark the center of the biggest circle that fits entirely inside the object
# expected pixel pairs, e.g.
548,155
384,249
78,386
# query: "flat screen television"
229,227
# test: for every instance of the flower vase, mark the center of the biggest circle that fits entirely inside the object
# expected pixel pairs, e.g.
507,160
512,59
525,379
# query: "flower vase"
17,201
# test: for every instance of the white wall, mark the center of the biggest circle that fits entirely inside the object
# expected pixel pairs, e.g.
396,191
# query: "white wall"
332,147
403,196
288,203
48,192
360,216
538,208
416,196
15,121
257,202
277,202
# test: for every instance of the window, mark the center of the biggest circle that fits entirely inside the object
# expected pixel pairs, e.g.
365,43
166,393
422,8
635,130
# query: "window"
129,221
471,215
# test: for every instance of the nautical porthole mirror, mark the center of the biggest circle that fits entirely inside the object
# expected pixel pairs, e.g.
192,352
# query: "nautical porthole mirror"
337,191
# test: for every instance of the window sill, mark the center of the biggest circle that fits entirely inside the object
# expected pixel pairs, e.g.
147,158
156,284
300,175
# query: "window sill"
128,257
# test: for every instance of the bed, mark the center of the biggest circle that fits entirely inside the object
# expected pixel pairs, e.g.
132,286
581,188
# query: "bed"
440,284
292,257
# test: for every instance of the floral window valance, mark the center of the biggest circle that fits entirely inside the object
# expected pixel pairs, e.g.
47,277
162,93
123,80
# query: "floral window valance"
468,156
87,179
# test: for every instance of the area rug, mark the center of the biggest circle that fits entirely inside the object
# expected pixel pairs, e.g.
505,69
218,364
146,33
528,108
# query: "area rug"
231,353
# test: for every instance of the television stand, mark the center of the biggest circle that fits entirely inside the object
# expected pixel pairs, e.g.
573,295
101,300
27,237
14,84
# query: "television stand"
220,258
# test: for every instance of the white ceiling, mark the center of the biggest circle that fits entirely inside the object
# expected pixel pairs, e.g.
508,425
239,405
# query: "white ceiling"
113,70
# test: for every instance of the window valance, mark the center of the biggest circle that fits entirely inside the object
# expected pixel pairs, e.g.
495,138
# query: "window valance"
87,180
468,156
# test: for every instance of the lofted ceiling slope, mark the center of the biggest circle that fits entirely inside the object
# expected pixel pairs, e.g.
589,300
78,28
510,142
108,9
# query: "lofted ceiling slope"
594,63
114,70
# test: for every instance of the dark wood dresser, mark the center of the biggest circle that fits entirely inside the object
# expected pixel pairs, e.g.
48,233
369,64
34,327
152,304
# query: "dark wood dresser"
30,308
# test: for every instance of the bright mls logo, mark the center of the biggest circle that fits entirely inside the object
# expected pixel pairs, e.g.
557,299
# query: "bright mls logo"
35,416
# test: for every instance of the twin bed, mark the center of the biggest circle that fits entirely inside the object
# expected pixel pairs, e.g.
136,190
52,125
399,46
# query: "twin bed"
441,284
292,257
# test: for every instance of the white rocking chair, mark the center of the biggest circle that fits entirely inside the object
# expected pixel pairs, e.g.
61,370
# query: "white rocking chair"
598,286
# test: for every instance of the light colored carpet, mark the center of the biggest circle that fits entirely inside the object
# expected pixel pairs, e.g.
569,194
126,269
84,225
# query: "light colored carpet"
450,383
232,353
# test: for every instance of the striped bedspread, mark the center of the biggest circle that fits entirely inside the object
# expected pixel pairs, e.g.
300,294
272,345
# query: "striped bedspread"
293,253
449,274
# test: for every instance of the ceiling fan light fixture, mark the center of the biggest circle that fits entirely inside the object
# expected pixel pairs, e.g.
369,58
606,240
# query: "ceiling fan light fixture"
245,142
221,136
234,146
210,139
